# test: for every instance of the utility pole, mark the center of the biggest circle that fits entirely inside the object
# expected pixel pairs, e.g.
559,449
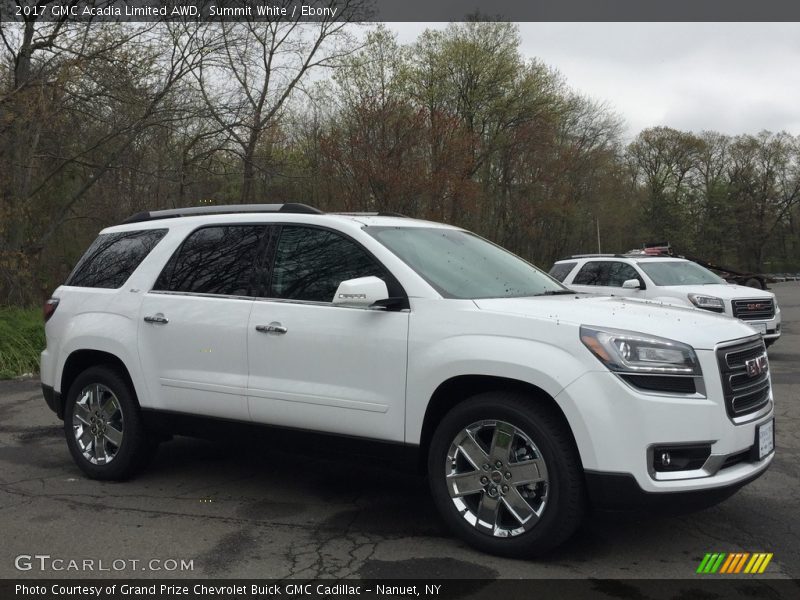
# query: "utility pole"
597,220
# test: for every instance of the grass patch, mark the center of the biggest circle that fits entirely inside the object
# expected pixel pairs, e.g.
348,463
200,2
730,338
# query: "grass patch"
21,341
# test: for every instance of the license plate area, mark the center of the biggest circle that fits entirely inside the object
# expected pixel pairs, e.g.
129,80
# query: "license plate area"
765,439
759,327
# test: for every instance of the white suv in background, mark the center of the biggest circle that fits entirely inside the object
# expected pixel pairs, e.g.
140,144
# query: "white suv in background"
525,400
671,281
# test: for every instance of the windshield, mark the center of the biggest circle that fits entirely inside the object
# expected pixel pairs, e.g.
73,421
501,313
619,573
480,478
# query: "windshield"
459,264
678,272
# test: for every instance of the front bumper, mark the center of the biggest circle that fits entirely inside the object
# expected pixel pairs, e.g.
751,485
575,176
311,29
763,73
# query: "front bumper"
616,426
773,325
53,400
619,491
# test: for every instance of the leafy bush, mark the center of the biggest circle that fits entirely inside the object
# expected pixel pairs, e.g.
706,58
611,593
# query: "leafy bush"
21,341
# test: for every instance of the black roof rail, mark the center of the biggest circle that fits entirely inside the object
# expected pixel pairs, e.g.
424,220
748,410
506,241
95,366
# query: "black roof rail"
222,209
371,214
628,255
597,256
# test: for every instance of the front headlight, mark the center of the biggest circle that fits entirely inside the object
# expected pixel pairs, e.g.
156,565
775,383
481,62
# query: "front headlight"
640,353
707,302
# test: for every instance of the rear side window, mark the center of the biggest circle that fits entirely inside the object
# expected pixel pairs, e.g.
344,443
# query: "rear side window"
561,270
214,260
113,257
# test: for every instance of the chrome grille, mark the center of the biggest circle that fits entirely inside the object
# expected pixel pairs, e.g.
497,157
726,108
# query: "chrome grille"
756,309
744,393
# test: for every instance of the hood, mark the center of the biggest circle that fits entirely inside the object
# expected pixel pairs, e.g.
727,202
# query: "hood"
699,328
721,290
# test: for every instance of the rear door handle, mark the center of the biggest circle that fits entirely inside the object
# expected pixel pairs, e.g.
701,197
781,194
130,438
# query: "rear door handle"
156,318
273,327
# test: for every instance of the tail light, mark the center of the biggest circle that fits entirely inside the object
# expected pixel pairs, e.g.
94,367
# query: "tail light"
49,308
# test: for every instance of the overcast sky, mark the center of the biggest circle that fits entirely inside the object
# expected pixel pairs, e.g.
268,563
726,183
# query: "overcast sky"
729,77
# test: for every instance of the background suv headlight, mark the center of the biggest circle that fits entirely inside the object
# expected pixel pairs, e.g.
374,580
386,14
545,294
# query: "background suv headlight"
707,302
647,362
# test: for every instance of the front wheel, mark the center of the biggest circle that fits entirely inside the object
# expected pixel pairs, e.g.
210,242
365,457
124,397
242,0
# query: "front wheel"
103,426
505,475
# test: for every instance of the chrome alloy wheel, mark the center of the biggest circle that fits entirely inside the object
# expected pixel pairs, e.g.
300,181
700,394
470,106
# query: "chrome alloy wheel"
97,423
497,478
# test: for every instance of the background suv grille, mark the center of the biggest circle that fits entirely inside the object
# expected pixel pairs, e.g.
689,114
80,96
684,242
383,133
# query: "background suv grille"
743,394
753,310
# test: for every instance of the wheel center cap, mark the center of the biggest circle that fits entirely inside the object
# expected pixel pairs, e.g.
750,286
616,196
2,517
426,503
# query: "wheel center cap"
497,477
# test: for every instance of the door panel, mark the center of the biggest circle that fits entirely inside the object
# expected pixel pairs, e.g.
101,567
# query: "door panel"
336,369
318,366
197,362
193,325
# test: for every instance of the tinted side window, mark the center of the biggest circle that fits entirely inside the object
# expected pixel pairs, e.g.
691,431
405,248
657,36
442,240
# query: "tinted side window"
310,264
113,257
590,274
561,270
619,273
214,260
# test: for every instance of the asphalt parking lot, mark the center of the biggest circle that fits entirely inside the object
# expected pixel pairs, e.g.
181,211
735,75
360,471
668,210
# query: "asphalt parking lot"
253,510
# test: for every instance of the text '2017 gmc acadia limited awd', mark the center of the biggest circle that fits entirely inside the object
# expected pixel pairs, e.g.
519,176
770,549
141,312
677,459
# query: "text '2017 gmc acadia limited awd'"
528,400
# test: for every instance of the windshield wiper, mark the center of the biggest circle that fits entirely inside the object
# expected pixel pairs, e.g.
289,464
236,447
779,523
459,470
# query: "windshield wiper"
555,293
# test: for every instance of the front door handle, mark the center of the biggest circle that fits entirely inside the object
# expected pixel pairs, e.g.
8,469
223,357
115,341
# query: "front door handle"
156,318
273,327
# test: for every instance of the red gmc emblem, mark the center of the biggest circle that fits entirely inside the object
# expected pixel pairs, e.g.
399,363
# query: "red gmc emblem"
756,306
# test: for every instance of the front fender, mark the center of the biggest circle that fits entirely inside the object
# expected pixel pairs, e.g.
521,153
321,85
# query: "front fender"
547,366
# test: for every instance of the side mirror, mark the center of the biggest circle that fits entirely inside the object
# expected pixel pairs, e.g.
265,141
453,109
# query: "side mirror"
631,284
361,293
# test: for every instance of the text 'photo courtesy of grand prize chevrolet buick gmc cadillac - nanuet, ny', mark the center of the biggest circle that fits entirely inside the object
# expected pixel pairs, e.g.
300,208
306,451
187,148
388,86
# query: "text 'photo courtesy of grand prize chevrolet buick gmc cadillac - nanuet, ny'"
528,401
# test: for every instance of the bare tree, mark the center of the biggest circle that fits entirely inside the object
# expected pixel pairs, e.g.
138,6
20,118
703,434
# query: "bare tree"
247,83
79,98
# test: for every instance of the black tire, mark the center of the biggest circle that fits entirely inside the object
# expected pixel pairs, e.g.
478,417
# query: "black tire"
565,489
769,343
135,448
754,283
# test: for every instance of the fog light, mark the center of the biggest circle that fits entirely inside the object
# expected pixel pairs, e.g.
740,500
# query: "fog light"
680,458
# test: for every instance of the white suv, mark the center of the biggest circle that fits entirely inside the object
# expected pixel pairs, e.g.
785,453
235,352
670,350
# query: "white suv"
671,281
526,400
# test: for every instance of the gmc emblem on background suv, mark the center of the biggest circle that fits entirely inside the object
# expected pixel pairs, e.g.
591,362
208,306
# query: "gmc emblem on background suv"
756,306
756,366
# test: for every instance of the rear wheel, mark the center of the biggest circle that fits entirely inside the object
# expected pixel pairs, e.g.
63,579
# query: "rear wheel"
103,425
754,283
505,475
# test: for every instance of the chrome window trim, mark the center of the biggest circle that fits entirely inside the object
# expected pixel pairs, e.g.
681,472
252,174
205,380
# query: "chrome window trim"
323,304
265,299
201,295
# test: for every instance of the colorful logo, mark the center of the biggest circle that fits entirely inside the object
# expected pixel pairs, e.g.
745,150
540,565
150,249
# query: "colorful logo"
734,562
